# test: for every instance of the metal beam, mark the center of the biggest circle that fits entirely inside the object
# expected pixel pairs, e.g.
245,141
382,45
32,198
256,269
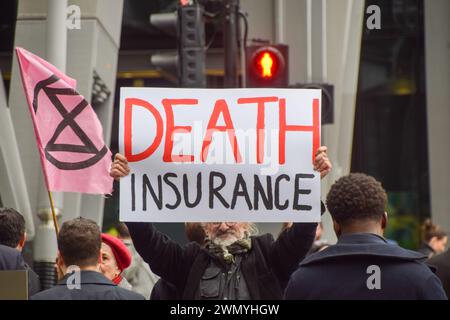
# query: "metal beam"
230,43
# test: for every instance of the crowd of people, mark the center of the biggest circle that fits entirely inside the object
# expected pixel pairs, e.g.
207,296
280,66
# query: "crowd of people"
231,261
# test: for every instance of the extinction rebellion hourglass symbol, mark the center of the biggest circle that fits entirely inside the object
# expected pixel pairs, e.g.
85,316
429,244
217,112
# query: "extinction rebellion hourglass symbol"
87,146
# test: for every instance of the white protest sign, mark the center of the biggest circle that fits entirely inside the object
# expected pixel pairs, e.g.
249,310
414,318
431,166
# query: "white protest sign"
204,155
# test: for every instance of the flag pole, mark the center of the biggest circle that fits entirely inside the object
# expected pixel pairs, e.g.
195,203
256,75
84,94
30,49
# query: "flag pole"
52,206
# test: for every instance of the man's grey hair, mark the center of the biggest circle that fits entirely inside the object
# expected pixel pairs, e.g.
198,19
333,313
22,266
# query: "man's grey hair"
253,229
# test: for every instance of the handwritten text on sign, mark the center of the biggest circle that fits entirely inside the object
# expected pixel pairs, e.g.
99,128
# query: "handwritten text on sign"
220,154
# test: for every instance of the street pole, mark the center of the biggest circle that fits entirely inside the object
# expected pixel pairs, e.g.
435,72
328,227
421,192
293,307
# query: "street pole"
230,43
45,245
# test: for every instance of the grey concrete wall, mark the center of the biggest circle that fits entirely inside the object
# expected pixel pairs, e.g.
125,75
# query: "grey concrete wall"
437,65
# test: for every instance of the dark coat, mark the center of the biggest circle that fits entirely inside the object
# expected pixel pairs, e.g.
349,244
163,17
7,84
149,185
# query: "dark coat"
341,272
442,263
266,267
11,259
93,286
34,284
163,290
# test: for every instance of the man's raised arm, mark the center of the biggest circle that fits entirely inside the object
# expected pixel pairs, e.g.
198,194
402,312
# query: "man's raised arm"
165,257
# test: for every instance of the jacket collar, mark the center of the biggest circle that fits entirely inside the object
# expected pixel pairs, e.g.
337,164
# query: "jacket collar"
363,244
361,238
88,277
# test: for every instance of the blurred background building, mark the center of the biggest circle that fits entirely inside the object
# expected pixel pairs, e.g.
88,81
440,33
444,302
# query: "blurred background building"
390,108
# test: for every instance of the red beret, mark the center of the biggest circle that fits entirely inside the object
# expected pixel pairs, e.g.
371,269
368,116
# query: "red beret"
119,249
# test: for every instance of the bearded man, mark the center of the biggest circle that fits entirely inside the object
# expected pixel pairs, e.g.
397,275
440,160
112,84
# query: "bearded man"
234,263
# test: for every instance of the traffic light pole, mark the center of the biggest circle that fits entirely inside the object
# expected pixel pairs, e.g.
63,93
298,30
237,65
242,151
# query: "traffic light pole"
230,43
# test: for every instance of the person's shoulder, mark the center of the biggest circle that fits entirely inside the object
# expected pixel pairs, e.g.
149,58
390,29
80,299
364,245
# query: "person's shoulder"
96,292
49,294
125,294
265,238
192,249
383,252
443,258
423,279
302,281
262,243
411,274
421,269
305,273
10,259
192,246
8,251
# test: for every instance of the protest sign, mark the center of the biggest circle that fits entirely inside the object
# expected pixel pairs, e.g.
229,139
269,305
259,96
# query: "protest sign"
219,154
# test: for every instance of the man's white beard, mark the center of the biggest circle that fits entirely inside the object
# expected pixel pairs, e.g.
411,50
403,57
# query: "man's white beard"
225,242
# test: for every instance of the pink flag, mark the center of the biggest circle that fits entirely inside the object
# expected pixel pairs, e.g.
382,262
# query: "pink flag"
69,135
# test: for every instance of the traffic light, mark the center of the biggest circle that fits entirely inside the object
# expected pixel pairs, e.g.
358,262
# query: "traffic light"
191,46
267,66
167,23
187,64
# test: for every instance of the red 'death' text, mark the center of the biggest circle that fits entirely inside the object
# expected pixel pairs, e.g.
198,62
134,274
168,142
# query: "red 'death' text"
220,109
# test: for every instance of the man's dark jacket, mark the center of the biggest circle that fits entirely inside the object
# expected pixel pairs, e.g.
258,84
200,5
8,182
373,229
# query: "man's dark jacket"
163,290
11,259
93,286
266,267
349,269
442,264
34,284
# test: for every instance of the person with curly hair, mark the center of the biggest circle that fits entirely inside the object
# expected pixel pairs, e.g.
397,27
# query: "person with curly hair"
362,265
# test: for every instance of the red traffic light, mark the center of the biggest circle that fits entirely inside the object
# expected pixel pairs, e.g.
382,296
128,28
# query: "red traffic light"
267,66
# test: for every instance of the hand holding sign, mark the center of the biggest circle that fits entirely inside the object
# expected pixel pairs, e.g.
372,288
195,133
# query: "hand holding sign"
119,167
321,162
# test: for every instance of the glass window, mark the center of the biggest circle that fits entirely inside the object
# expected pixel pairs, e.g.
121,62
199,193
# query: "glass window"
390,135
